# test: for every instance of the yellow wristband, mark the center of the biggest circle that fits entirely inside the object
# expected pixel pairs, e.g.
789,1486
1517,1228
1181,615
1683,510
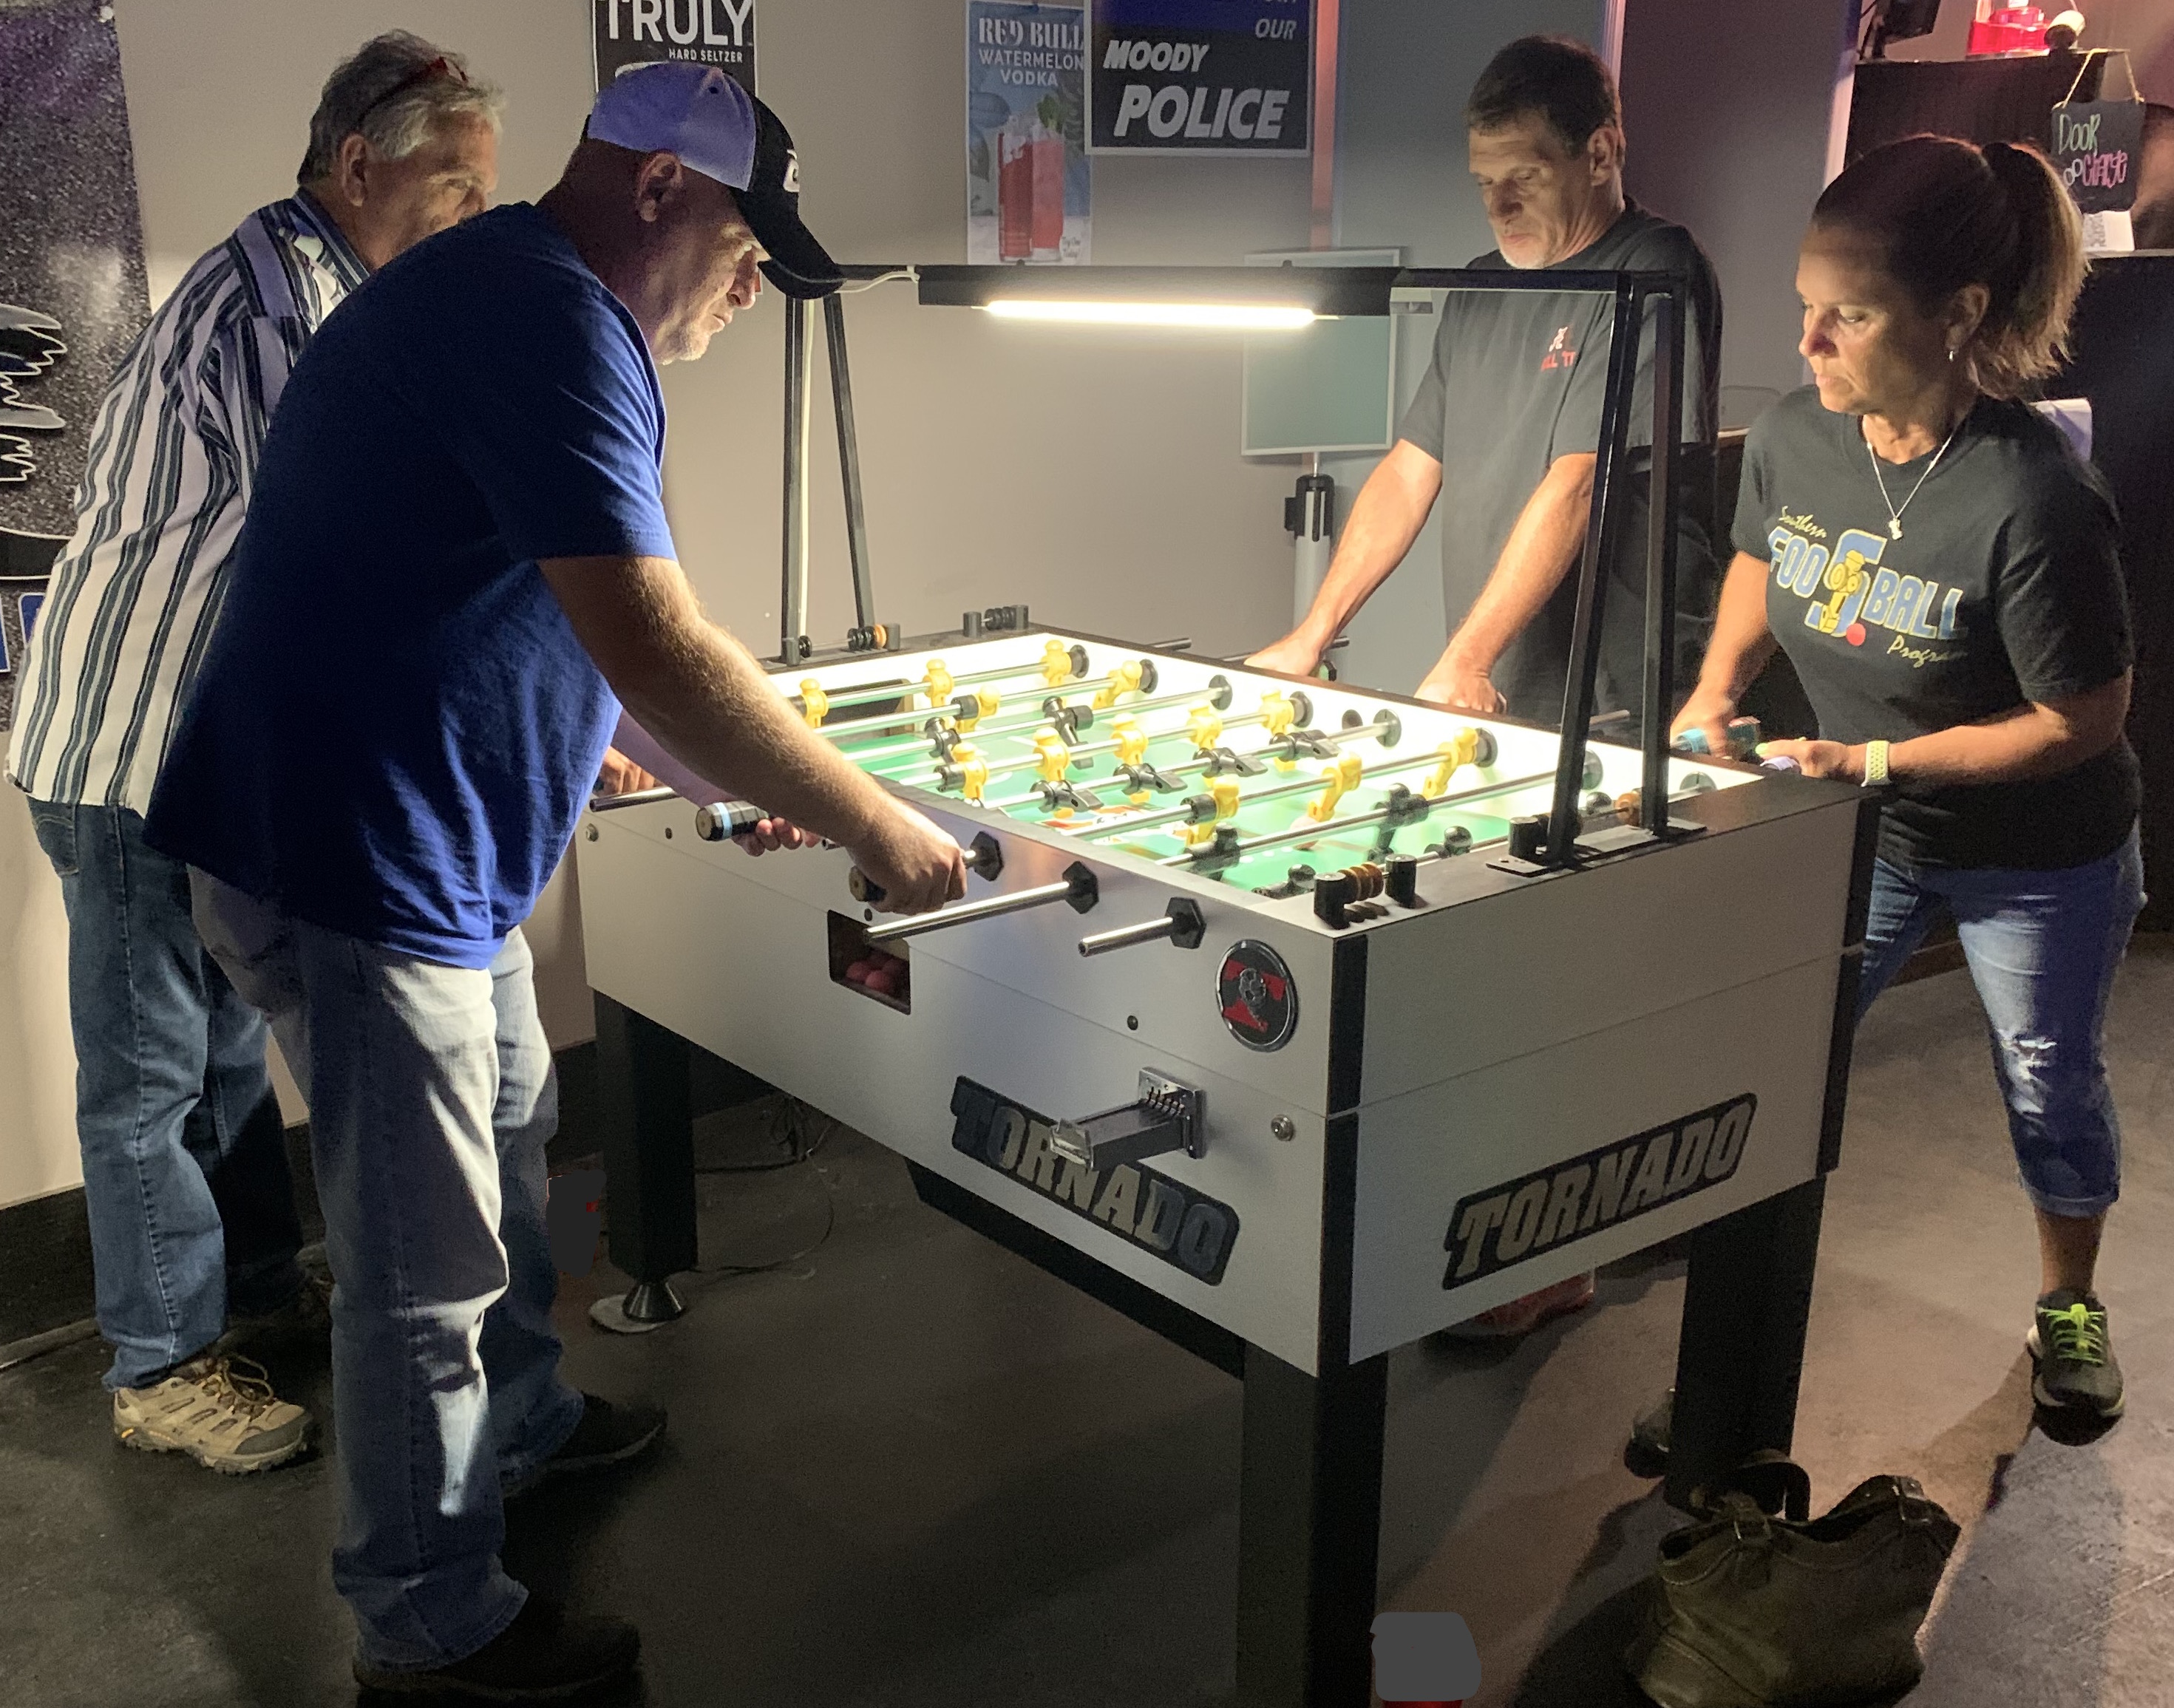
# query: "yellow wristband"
1875,763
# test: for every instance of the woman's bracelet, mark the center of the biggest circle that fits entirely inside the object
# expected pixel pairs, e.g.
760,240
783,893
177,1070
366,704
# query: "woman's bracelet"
1875,763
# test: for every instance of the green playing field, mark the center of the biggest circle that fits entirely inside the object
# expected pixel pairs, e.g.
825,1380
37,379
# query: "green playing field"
1272,801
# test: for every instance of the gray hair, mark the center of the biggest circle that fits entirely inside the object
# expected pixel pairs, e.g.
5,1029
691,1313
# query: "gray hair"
390,92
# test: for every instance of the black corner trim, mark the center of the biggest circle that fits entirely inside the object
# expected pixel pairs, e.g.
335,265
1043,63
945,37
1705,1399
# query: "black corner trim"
1347,1022
1204,1340
1841,1043
1339,1205
1339,1162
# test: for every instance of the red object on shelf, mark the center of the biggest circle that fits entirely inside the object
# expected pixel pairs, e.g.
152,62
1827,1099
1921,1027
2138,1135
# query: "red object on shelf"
2001,29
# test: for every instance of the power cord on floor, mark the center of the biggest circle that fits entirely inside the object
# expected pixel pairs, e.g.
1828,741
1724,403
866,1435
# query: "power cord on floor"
799,1130
787,1123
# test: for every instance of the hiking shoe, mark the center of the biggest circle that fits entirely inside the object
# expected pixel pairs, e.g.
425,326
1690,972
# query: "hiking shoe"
221,1412
1521,1316
546,1654
608,1434
2076,1368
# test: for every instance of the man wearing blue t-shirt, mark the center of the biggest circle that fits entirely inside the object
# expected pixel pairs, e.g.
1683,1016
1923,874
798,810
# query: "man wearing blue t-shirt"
456,567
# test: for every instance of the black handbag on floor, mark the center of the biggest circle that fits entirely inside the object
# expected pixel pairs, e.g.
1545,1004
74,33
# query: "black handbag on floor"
1758,1605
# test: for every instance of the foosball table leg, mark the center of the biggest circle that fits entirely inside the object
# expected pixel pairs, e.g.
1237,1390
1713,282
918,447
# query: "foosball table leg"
643,1072
1742,1355
1309,1532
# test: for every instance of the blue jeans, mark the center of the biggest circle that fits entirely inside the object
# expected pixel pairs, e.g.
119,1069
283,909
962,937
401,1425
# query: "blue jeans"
431,1098
184,1176
2043,949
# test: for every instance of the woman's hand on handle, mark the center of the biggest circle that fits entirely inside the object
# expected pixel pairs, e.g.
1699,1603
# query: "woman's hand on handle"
1708,711
1819,759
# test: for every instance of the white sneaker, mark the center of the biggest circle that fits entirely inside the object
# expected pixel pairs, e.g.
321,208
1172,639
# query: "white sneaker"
221,1412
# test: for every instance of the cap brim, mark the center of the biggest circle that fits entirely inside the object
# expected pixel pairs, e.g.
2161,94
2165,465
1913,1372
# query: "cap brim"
798,265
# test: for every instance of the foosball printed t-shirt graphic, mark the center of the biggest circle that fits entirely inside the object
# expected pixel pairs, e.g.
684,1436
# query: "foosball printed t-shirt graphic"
1999,584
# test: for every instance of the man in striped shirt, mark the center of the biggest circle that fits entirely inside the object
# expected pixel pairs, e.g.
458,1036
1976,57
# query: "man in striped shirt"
191,1212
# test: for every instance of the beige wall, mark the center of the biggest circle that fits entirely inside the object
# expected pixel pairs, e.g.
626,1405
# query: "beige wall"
1731,133
37,1063
1097,480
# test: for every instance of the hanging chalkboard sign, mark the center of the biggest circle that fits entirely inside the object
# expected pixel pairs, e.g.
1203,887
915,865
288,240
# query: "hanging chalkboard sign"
2097,144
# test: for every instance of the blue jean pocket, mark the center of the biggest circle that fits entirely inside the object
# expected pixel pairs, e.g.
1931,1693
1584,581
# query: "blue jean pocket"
55,827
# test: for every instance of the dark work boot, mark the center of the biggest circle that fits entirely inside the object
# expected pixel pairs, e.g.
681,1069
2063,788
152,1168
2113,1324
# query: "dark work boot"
546,1654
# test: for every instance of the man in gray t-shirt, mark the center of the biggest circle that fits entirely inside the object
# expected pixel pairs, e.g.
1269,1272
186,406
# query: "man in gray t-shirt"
1508,416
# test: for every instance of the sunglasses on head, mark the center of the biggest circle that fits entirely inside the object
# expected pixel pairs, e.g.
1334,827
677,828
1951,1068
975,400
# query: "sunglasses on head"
441,67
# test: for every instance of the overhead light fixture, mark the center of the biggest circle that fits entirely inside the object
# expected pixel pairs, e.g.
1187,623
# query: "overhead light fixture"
1240,298
1197,317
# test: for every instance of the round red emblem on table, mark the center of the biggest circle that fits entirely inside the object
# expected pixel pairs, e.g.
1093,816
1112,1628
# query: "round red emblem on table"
1256,997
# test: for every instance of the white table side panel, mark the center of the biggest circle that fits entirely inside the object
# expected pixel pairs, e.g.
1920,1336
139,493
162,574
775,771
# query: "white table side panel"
1170,992
1420,1153
743,971
1503,976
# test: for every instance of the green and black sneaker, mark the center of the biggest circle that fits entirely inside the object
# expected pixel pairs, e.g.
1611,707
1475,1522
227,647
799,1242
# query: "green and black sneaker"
2076,1368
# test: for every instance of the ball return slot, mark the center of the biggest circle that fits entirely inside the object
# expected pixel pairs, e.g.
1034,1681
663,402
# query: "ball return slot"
881,974
1166,1116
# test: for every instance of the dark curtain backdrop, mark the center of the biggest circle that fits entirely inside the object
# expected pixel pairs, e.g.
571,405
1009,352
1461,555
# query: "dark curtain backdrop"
73,293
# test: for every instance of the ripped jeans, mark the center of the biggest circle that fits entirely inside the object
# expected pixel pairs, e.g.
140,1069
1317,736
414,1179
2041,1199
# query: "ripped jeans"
2043,947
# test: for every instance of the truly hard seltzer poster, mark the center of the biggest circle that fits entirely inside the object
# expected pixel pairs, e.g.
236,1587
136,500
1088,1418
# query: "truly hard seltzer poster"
709,32
1029,194
1216,77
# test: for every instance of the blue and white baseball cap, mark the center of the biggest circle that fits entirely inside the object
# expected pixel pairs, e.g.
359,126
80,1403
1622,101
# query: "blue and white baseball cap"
718,129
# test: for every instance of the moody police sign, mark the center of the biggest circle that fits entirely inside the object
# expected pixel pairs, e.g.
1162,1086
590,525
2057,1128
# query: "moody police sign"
1184,77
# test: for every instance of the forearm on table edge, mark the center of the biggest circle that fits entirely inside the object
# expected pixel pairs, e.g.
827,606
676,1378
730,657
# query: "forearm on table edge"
1390,511
725,721
1537,556
703,698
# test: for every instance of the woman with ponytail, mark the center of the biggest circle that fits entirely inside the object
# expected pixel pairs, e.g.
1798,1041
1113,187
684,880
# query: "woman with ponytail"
1940,568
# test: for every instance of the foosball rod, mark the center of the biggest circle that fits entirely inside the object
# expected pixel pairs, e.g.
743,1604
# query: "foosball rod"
1423,807
1086,751
964,706
1383,725
1418,812
1078,887
1281,792
1218,687
867,693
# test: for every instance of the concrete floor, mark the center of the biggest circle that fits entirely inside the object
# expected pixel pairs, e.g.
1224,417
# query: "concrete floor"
912,1471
